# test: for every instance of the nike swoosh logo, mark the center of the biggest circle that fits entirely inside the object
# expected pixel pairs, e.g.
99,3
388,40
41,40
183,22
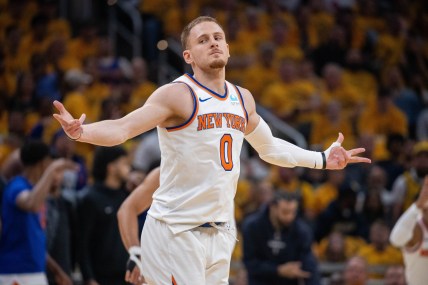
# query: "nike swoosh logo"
205,99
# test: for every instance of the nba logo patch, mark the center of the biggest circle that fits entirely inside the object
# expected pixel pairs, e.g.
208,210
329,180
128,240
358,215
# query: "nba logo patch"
233,98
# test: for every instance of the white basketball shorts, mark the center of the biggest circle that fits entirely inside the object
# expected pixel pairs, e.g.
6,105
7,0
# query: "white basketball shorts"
195,257
24,279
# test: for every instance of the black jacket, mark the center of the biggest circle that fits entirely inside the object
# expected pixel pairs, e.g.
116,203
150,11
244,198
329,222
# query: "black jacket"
264,252
102,253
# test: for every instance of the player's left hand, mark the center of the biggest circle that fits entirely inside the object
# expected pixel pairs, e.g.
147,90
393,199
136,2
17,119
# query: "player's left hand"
339,157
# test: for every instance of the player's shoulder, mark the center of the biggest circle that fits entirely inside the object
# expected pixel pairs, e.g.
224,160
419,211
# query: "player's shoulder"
247,98
243,91
173,87
173,90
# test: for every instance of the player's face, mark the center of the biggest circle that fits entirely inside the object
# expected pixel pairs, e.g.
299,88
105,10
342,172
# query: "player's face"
207,47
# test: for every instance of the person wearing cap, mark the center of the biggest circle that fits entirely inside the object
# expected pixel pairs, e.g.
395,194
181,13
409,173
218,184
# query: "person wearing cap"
99,238
407,186
23,251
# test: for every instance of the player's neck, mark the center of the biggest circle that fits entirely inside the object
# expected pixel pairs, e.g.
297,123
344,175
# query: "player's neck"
214,80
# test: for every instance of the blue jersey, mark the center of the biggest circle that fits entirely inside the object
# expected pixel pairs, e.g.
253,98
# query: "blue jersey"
22,241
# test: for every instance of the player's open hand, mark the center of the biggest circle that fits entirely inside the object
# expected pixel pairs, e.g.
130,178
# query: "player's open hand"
338,157
71,126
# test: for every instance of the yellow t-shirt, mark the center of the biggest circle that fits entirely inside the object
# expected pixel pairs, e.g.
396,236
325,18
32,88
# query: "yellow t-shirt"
391,121
140,94
389,256
324,195
257,77
80,49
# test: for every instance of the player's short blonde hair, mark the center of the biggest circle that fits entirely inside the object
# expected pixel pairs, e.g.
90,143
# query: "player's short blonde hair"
191,25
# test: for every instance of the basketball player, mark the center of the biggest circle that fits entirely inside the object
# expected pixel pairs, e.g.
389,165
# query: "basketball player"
202,120
136,203
411,234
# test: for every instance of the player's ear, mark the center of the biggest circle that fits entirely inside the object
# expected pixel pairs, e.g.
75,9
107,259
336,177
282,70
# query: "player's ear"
187,56
228,51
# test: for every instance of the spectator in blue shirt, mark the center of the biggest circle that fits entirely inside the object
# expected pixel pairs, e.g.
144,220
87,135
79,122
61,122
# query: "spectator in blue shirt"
23,254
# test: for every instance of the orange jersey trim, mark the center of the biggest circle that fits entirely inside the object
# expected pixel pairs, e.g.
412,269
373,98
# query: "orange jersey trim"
173,280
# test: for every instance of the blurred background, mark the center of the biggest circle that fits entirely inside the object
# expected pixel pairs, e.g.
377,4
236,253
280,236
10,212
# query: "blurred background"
315,67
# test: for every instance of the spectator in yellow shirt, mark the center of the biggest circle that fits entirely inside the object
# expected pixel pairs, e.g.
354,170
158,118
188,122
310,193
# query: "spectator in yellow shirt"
77,103
335,88
289,97
320,22
264,72
379,252
285,45
359,78
142,86
243,49
58,57
86,43
38,40
288,180
337,247
96,91
14,61
328,123
328,191
7,79
57,27
383,117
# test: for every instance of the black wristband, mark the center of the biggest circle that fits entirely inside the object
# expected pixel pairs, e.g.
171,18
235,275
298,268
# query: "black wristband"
130,265
324,161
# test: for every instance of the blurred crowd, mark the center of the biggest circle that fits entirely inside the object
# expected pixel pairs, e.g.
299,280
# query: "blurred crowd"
359,67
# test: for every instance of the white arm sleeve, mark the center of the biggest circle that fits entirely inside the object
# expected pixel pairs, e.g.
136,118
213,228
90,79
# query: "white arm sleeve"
283,153
403,229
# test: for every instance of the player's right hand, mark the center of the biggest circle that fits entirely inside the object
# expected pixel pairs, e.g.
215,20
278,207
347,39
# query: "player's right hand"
422,201
71,126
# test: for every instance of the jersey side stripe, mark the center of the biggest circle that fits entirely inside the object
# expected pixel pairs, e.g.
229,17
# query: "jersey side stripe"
193,116
209,91
242,102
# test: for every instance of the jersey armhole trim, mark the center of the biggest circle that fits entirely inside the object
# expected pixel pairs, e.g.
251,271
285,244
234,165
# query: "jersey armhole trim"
195,110
242,102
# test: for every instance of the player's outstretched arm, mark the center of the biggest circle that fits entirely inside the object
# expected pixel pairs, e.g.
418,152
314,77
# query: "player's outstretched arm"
405,231
136,203
279,152
158,109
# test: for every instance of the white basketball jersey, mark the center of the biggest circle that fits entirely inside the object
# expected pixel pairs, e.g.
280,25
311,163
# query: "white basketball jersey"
416,260
200,160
